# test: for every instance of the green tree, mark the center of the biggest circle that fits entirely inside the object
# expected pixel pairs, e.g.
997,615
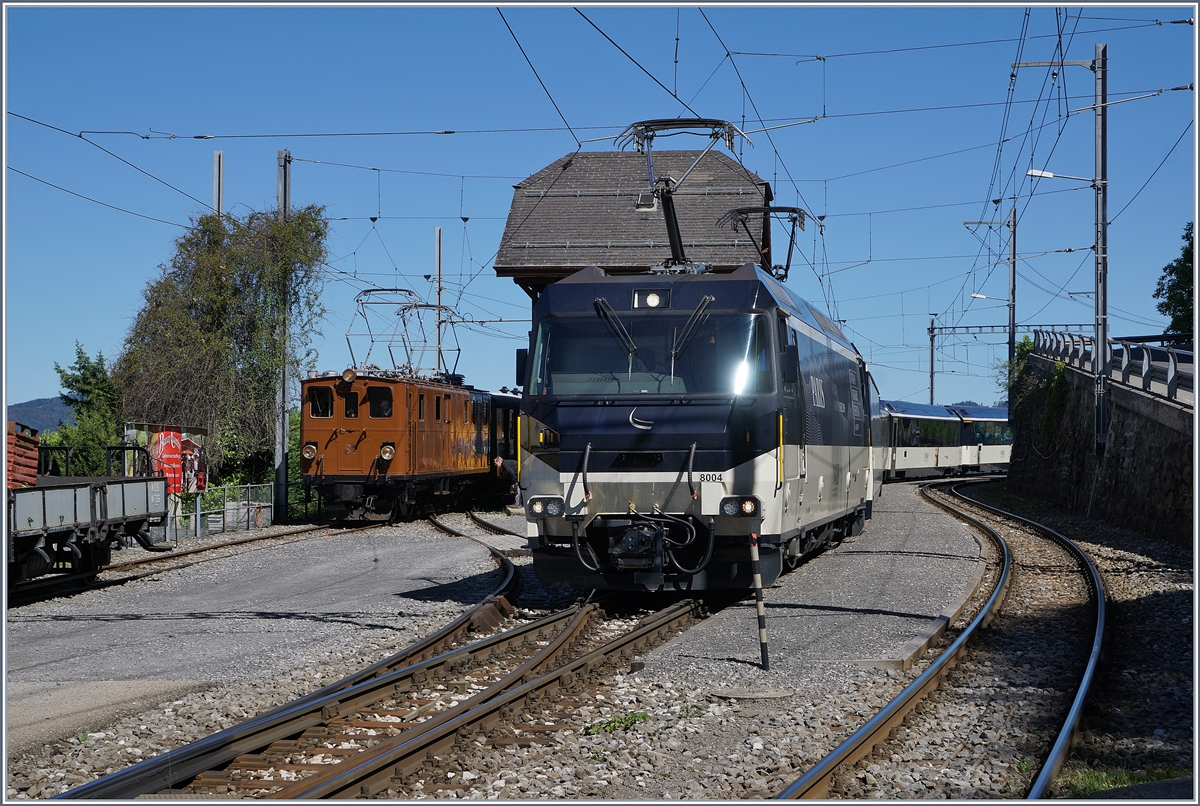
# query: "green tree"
206,348
1004,371
92,396
1174,290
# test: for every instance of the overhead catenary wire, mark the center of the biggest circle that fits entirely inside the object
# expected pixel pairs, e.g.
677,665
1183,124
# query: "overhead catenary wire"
890,51
638,64
1039,109
115,156
539,78
1153,173
614,128
826,292
406,171
97,201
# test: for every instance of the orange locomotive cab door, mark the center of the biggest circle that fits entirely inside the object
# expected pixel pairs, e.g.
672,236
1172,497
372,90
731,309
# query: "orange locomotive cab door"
352,458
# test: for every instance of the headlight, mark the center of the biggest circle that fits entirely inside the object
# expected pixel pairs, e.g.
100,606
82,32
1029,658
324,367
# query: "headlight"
348,375
387,452
546,507
740,507
309,451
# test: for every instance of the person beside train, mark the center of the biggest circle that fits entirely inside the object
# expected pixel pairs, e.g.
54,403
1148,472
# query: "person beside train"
508,470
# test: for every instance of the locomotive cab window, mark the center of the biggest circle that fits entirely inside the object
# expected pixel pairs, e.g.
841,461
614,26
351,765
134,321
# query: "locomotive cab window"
657,352
351,408
421,407
320,401
379,401
437,408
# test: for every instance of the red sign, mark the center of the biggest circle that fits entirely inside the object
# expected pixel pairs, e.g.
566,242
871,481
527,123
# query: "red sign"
168,456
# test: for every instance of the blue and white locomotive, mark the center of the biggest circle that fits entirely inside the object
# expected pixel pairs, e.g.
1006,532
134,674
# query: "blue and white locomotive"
669,416
674,416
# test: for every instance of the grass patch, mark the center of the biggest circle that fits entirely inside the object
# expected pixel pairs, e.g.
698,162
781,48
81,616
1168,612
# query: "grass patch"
617,723
1080,782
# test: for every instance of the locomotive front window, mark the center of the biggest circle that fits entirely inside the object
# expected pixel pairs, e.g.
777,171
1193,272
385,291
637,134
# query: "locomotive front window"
379,401
320,401
722,354
352,405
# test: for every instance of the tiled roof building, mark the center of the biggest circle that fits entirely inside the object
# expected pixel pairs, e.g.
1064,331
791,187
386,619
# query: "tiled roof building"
583,210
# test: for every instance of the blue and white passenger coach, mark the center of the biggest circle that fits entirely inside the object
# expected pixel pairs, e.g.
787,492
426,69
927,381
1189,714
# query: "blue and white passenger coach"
668,417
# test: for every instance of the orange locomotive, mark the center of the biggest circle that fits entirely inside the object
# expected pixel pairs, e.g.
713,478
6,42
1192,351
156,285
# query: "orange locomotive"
381,445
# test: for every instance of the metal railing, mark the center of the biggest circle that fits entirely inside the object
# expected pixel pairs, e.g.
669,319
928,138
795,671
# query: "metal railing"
1166,371
223,509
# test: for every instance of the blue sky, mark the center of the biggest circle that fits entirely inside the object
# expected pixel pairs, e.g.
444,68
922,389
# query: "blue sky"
920,124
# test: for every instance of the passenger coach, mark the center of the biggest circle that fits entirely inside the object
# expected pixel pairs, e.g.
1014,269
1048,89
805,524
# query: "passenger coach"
926,441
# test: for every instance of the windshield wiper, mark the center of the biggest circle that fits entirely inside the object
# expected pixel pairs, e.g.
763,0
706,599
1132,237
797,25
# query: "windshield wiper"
682,339
605,312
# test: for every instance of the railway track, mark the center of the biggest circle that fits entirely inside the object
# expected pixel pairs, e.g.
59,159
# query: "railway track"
515,733
378,731
1028,565
163,772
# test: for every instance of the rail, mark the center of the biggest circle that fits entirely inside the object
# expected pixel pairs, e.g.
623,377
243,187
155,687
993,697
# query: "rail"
1166,371
178,765
370,772
815,782
1062,745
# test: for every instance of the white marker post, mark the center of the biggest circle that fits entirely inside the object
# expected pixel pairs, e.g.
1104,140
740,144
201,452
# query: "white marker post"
758,597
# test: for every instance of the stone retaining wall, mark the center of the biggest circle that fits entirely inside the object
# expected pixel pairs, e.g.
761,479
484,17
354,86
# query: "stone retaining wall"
1144,481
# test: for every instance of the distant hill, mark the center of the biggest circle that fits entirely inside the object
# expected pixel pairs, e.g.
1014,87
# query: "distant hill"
44,414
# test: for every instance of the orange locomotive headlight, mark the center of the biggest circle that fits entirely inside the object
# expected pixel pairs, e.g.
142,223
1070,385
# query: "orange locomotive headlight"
309,451
739,507
387,452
